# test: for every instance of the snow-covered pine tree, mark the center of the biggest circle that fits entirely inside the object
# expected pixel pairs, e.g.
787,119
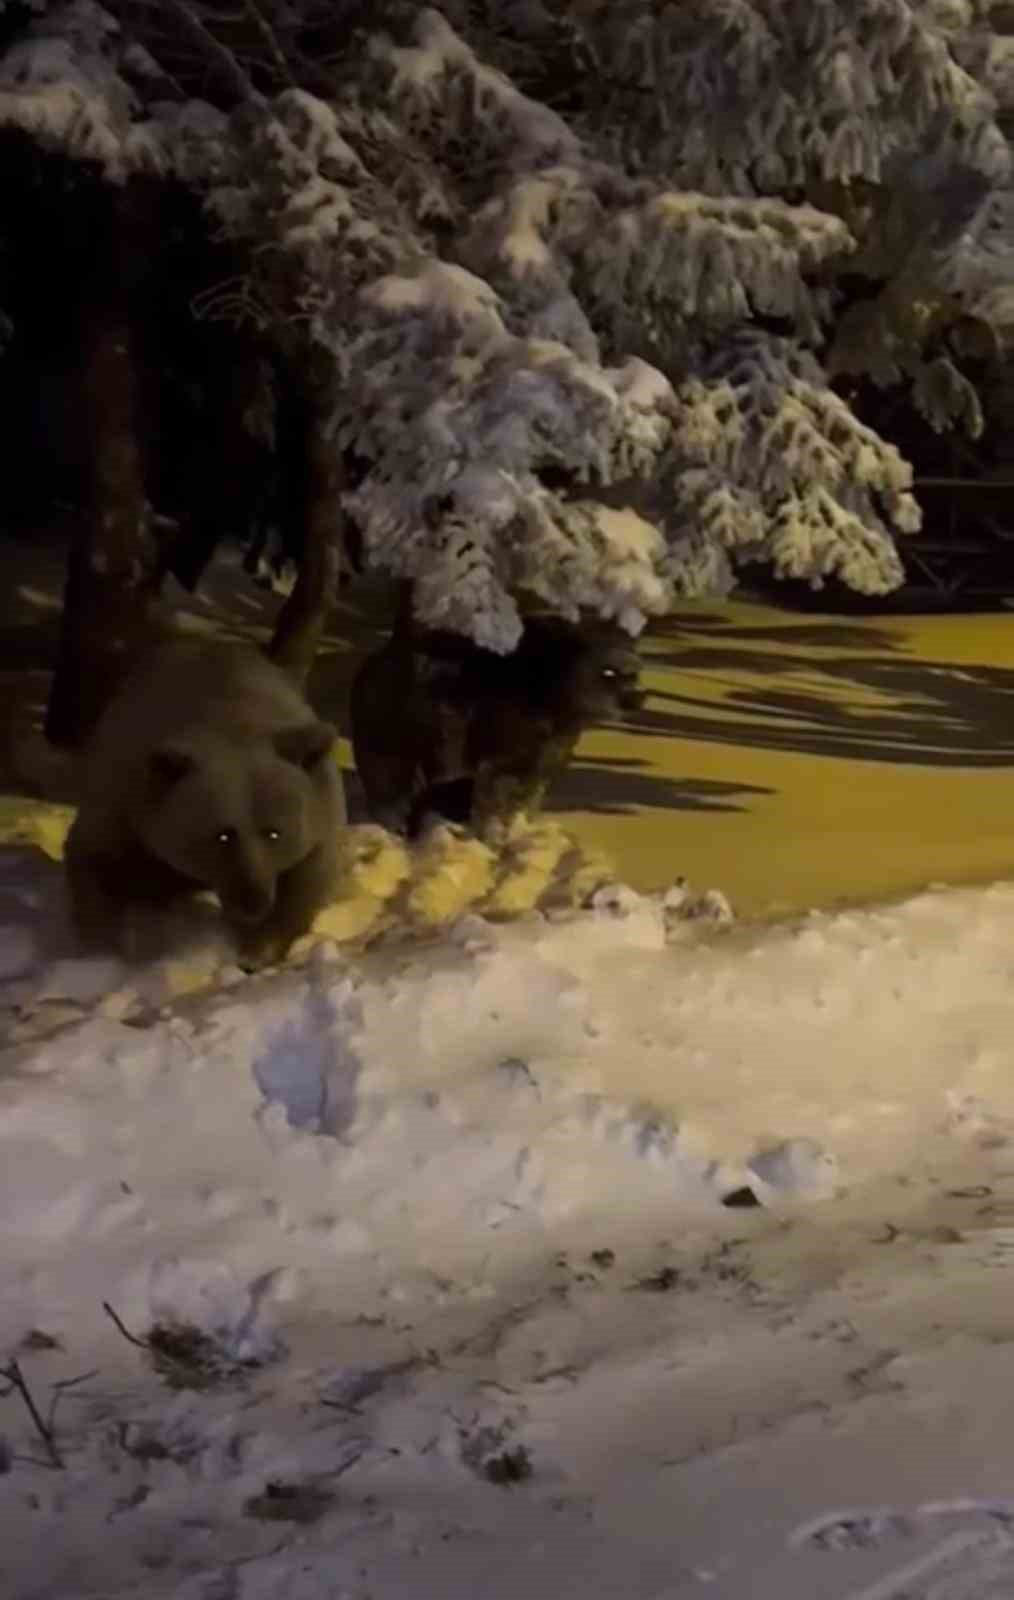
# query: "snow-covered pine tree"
575,278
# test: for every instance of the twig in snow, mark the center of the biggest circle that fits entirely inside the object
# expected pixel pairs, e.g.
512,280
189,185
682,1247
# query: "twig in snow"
142,1344
16,1381
183,1355
59,1390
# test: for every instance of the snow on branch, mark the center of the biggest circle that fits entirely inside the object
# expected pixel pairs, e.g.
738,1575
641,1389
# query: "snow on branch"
946,398
300,151
929,287
773,466
772,95
483,274
318,222
195,138
437,85
472,390
519,232
61,83
713,261
580,555
813,536
574,259
982,269
458,418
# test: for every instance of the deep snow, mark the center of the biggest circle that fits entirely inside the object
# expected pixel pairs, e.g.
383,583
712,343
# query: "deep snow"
450,1220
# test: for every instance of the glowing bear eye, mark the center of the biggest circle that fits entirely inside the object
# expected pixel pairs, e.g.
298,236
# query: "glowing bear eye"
226,836
609,672
272,835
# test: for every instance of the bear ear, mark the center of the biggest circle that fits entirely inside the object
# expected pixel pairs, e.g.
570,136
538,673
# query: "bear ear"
168,764
306,746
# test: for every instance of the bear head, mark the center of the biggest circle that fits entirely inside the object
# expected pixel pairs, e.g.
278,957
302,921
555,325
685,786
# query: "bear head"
234,817
603,682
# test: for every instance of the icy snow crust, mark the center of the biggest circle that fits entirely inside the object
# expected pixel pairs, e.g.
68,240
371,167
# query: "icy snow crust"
455,1213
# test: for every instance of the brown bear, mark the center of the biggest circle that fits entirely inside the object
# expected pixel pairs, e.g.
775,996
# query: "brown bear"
444,729
207,770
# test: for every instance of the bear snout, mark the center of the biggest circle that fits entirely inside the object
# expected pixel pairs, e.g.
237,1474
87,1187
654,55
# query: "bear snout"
248,902
251,912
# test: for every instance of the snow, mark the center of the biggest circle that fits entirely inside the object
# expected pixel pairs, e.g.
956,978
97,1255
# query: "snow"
307,147
445,290
828,487
641,385
418,71
612,558
528,216
516,227
60,84
443,1224
475,422
697,256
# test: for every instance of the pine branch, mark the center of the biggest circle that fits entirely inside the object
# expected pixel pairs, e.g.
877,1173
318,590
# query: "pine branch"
211,48
267,33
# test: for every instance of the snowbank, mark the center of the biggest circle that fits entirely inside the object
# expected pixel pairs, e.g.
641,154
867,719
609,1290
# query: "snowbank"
400,1233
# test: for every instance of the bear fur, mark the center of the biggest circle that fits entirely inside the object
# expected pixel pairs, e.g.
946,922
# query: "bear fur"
442,729
207,771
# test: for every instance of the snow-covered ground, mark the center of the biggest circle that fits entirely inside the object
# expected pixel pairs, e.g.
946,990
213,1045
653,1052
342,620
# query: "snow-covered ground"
419,1276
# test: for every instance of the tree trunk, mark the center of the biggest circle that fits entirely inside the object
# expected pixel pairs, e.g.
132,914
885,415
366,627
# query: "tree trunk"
112,570
229,468
317,500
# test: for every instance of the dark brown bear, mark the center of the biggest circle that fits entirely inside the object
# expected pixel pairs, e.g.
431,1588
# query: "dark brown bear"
441,728
207,770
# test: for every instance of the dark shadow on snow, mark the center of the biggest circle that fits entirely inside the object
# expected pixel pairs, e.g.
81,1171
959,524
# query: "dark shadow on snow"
935,713
834,634
616,786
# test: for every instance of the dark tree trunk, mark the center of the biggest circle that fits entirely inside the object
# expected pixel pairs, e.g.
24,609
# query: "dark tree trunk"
316,499
112,571
228,468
